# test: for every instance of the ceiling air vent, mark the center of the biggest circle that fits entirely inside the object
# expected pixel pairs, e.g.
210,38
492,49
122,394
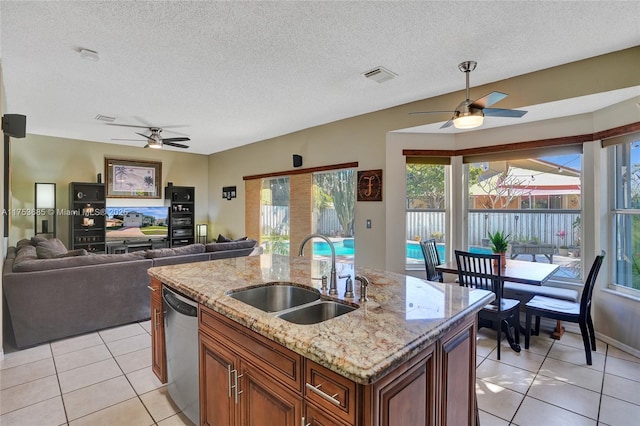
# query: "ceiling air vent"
380,74
106,118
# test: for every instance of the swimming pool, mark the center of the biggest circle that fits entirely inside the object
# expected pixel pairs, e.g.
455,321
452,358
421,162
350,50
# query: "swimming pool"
345,248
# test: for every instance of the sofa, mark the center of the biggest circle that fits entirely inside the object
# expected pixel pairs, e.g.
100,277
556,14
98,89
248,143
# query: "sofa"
51,293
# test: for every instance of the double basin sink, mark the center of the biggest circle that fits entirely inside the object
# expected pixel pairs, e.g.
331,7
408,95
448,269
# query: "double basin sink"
291,303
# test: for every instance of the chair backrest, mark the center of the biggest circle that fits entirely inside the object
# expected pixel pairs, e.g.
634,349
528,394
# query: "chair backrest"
431,259
587,291
482,271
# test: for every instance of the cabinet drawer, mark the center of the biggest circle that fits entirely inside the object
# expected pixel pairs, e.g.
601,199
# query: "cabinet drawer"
330,391
155,287
278,361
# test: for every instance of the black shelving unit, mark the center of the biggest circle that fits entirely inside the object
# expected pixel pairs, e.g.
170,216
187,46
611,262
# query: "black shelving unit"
181,214
87,228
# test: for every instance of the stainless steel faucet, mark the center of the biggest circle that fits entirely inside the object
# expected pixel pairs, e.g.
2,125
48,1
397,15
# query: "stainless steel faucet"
333,281
364,284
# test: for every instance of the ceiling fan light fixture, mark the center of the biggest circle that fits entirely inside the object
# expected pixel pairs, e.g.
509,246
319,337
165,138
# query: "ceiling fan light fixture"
469,119
155,145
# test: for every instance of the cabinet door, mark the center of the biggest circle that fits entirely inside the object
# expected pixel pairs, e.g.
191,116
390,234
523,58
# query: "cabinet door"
265,402
158,354
217,398
408,397
315,417
458,391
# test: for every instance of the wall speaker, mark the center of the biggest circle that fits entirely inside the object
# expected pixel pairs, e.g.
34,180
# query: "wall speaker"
297,160
14,125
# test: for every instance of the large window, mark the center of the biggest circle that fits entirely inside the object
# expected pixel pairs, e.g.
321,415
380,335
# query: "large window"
625,213
425,207
535,200
274,211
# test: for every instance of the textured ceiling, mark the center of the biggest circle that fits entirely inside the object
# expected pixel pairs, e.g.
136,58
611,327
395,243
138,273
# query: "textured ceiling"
234,73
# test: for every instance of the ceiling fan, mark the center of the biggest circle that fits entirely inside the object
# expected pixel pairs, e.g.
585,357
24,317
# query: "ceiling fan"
155,140
469,114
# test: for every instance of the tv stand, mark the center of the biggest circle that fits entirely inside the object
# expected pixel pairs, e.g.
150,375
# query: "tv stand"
128,246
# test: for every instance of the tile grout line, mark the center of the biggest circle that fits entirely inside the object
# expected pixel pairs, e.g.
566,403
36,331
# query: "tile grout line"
55,369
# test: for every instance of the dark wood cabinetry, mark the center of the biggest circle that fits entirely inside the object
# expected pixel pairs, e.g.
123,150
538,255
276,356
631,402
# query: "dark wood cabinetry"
158,350
246,378
87,216
181,215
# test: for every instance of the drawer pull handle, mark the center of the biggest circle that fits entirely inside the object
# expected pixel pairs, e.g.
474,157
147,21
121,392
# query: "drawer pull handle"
151,288
303,423
316,389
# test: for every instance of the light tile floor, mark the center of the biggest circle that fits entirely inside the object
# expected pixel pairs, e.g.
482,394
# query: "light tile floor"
551,384
101,378
105,378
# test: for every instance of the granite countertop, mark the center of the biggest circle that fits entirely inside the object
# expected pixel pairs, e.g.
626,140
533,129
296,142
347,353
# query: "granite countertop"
403,315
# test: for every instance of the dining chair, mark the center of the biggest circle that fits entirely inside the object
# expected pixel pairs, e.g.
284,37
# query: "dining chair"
431,259
484,271
564,310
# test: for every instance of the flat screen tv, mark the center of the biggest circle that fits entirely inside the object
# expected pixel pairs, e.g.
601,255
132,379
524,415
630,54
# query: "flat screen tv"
136,223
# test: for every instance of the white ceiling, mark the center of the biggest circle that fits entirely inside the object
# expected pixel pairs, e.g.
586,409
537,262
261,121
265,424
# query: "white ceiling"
234,73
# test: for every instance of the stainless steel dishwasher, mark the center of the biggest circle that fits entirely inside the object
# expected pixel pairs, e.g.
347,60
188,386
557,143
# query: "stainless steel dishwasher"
181,334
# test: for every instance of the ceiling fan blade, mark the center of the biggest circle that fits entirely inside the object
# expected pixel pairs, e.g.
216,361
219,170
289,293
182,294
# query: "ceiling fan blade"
131,140
488,100
499,112
447,124
145,136
177,145
127,125
430,112
166,140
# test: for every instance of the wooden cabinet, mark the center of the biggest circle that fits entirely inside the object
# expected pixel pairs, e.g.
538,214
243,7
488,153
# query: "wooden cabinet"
457,376
237,384
181,215
87,223
248,379
158,350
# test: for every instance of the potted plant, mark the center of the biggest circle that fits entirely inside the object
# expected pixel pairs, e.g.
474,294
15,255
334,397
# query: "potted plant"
499,245
563,250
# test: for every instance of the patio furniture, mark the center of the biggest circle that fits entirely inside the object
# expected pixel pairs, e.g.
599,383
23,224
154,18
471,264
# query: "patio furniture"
478,271
431,259
563,310
532,249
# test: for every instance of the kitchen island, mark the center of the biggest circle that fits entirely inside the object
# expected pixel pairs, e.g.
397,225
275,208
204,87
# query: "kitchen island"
406,356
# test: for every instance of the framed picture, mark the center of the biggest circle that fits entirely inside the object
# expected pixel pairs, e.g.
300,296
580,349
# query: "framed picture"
133,179
370,185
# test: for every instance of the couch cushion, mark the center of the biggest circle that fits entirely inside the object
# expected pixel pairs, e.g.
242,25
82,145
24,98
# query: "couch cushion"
176,251
232,245
36,264
49,249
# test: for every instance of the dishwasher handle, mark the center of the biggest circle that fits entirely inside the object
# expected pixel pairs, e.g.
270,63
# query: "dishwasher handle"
180,304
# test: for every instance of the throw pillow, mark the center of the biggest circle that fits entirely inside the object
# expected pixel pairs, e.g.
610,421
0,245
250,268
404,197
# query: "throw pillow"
222,239
241,239
48,249
23,242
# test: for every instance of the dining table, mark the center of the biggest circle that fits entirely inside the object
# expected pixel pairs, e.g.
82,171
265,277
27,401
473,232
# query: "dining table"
519,271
